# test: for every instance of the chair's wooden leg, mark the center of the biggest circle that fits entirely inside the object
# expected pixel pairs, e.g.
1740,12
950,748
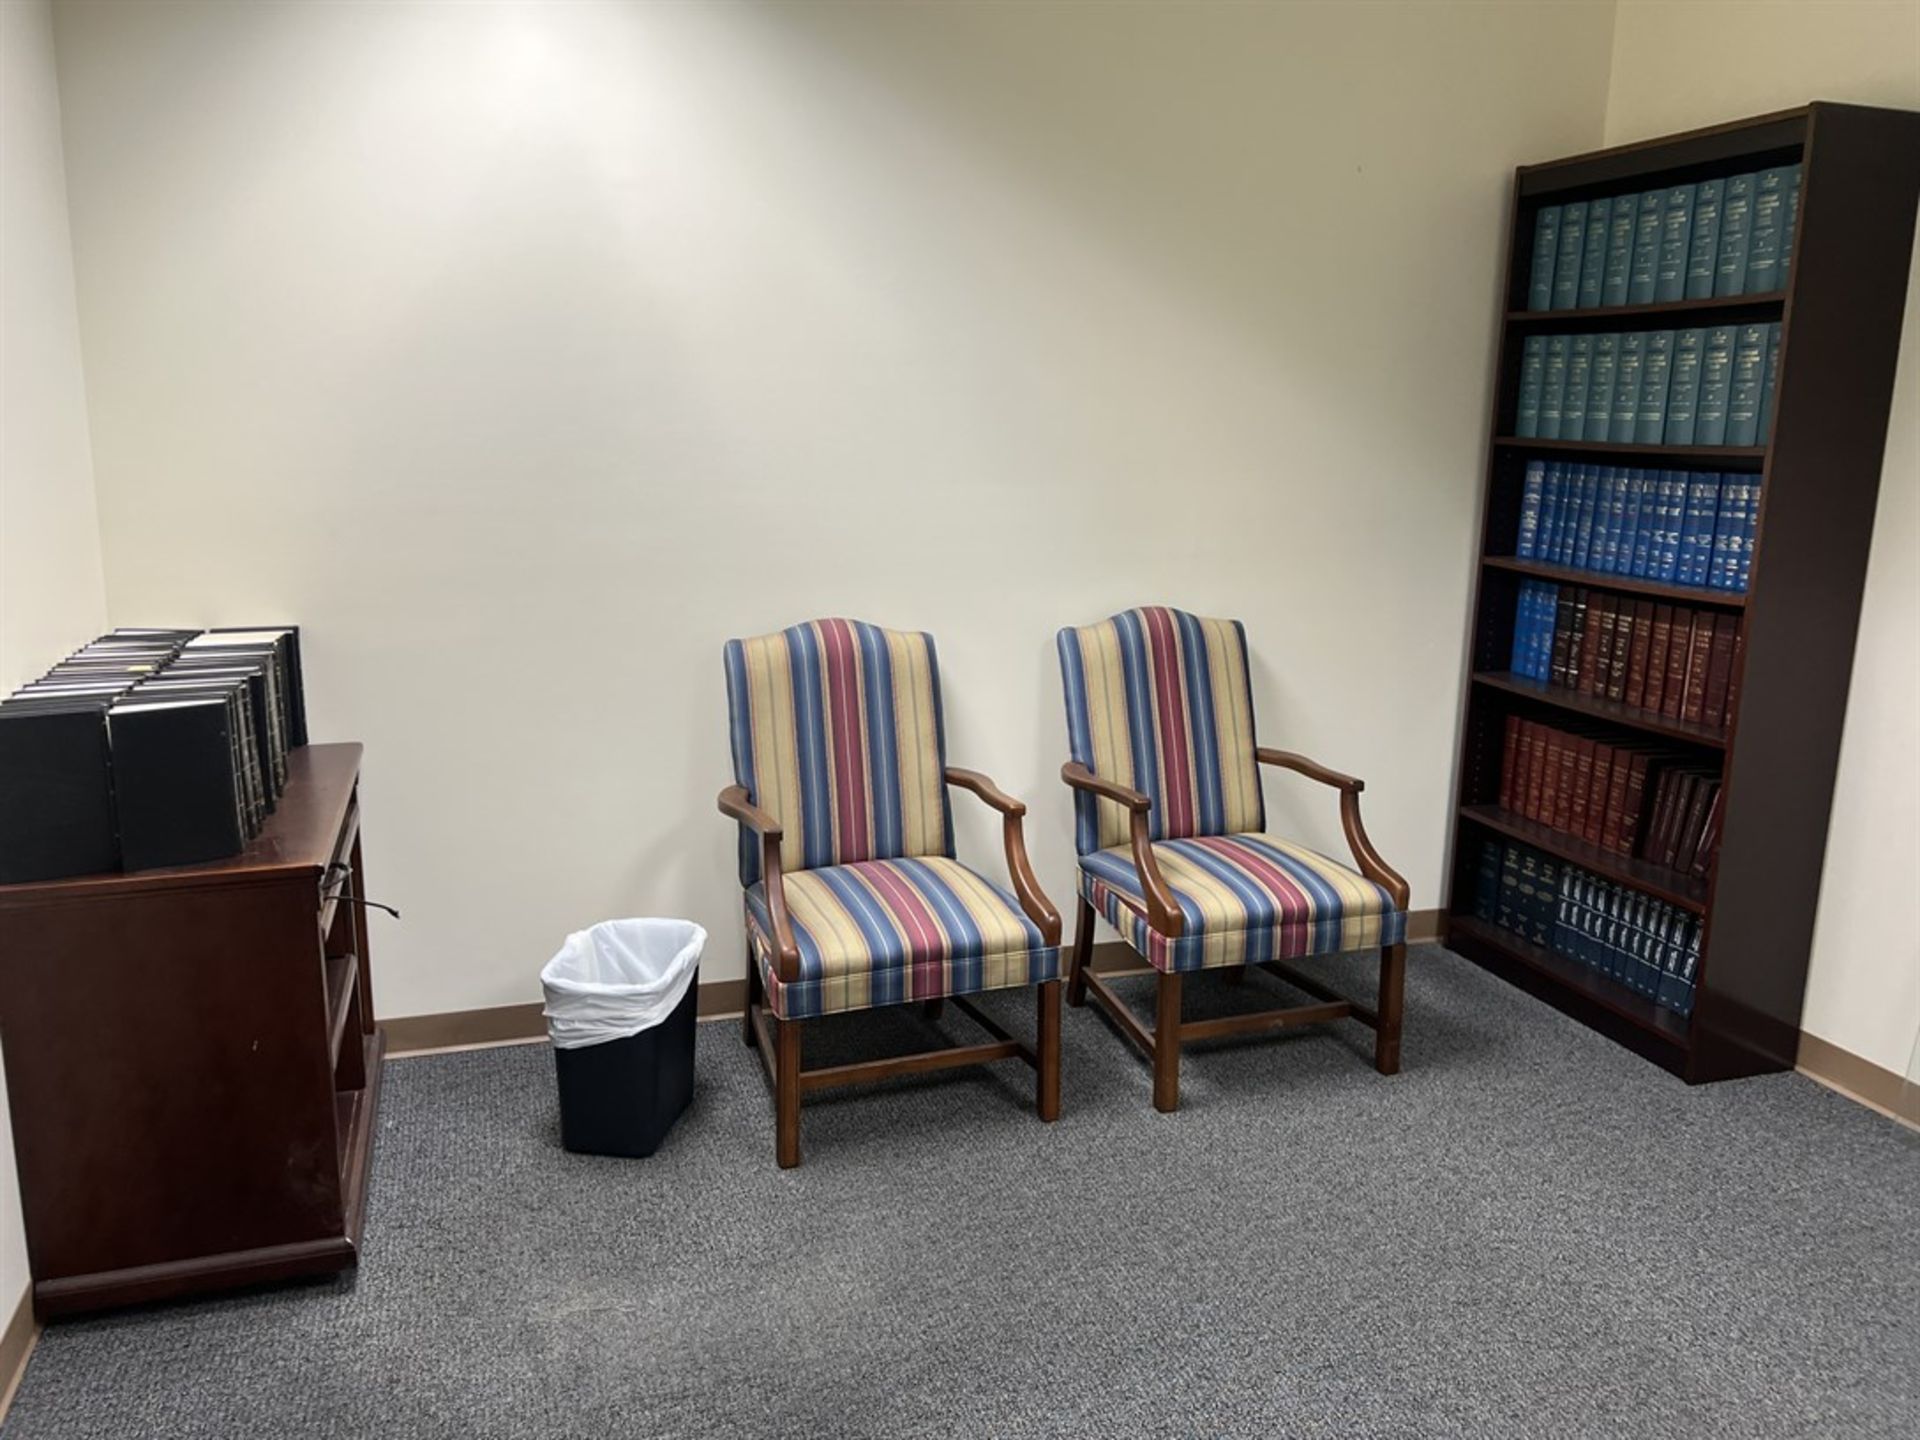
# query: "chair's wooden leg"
1393,980
786,1093
753,999
1082,953
1047,1052
933,1008
1166,1044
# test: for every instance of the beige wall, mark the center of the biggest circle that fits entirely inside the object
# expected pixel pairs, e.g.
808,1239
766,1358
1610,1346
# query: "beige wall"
1864,987
51,597
524,353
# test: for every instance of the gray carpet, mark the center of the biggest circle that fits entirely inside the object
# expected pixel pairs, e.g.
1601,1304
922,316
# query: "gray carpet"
1527,1233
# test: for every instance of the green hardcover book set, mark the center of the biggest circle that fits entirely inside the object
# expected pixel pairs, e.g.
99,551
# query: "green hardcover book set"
1714,238
1705,385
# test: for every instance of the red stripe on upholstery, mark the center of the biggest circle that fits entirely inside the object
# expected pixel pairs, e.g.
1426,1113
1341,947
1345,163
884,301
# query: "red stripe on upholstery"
1176,756
926,941
1292,905
849,735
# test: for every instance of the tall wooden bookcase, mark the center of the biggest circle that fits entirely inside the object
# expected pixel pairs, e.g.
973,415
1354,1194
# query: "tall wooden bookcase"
1820,467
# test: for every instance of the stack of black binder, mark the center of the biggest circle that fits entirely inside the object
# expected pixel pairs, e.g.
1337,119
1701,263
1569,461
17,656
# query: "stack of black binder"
148,748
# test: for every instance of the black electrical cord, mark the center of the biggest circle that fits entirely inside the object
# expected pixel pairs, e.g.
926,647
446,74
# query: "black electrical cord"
351,898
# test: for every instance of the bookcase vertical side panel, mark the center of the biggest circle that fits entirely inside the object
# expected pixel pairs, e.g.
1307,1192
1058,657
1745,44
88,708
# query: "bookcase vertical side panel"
1840,343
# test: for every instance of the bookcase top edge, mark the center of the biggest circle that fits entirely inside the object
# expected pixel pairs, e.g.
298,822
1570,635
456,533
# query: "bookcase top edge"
1542,168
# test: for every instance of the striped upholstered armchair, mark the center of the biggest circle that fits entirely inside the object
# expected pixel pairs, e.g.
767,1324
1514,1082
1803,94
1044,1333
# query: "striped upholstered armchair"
854,899
1170,826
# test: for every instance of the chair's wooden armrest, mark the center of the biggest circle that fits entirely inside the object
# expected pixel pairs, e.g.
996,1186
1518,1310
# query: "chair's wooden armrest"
975,783
735,804
1013,831
1312,769
1163,911
1081,778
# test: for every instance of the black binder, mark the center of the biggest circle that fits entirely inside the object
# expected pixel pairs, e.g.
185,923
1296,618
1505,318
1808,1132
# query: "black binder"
56,800
174,784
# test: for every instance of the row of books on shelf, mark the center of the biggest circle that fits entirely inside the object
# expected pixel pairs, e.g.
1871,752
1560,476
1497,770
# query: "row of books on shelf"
1731,236
1650,947
1711,385
1627,797
1673,661
1681,527
148,748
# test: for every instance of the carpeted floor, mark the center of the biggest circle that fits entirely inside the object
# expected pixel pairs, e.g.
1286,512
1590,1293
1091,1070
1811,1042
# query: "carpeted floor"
1527,1233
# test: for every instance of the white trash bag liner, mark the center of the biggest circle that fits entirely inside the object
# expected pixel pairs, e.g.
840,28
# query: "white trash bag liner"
618,978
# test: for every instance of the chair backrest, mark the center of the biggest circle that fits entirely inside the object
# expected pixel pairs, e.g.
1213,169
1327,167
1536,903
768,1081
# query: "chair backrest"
837,733
1161,700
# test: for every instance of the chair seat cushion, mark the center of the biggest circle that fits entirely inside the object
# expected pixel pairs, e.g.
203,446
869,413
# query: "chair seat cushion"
1244,898
884,932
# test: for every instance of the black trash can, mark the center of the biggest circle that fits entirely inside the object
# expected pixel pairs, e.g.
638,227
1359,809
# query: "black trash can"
621,1002
621,1097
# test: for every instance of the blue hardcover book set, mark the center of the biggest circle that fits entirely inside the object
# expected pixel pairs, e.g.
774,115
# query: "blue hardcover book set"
1533,629
1644,944
1679,527
1731,236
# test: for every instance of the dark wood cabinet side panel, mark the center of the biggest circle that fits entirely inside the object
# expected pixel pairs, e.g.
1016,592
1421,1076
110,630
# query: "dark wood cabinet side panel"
167,1073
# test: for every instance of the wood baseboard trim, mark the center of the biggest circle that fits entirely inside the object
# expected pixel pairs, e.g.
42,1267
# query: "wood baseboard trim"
453,1030
16,1348
1859,1080
721,999
464,1029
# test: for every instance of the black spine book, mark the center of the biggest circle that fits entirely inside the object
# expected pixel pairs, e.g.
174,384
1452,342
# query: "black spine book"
285,639
56,791
174,786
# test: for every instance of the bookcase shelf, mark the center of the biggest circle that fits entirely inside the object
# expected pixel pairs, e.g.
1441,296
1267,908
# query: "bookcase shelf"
1656,880
1740,456
1596,707
1624,584
1839,319
1674,310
